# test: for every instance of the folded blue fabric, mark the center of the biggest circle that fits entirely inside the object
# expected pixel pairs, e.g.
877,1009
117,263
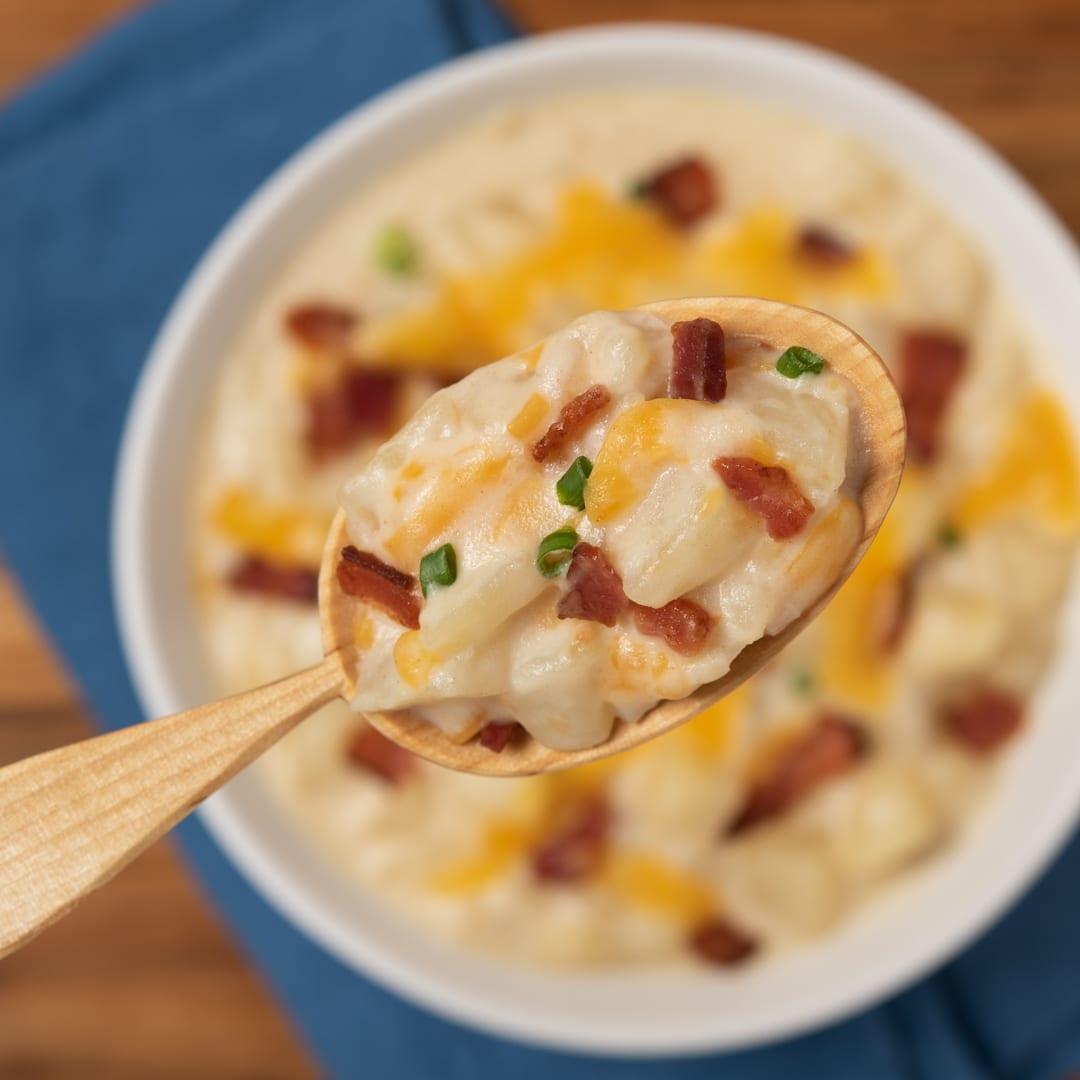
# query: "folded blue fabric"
116,171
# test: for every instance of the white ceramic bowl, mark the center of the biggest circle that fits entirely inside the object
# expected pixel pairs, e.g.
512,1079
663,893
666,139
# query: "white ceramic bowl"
917,924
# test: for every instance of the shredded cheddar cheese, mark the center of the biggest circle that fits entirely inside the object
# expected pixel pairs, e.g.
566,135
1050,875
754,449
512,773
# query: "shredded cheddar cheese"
528,420
413,662
284,534
605,251
502,844
853,665
656,885
711,734
758,257
633,449
441,508
1034,472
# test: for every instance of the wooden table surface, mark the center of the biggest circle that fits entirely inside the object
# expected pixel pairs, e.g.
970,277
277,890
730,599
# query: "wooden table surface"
141,981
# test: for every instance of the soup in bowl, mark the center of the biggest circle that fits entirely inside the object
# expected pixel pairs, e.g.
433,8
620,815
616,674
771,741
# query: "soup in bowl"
859,762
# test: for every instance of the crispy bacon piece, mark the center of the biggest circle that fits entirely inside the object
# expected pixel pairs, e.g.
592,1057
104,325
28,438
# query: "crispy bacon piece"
573,417
831,748
575,847
368,578
931,366
594,588
698,361
986,720
371,750
362,402
683,624
296,583
816,244
496,734
684,191
321,326
594,592
769,491
719,942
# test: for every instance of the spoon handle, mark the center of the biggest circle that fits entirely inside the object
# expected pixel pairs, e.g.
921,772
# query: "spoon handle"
71,818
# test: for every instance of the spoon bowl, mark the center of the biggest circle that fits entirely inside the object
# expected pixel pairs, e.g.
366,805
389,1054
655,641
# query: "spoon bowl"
884,437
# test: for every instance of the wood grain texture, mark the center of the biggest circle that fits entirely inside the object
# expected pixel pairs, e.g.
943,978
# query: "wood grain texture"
73,817
140,981
883,433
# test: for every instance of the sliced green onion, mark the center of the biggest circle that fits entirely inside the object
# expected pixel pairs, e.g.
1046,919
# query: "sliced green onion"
438,567
637,189
798,360
803,682
571,485
554,551
396,251
949,536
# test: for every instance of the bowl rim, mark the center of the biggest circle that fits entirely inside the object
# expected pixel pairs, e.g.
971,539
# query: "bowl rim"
896,968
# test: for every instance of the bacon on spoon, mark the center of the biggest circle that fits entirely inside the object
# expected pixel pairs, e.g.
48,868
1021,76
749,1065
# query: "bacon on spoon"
698,361
769,491
366,577
574,416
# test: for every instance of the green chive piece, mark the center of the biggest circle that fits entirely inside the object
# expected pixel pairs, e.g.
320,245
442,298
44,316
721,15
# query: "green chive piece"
438,567
949,536
797,360
396,251
571,485
637,189
555,551
803,682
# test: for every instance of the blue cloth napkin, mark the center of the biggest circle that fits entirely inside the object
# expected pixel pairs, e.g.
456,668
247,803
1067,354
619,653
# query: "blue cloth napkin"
116,171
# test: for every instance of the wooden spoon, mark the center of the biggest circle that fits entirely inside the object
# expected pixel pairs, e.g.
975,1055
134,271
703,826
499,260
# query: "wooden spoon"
71,818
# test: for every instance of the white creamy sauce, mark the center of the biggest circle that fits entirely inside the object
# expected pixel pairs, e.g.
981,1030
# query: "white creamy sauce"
456,853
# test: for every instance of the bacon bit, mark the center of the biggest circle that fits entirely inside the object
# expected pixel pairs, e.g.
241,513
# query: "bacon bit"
321,326
896,607
295,583
698,361
769,491
369,749
818,245
684,191
496,734
368,578
594,588
931,365
985,720
573,416
718,942
831,748
575,847
683,624
362,402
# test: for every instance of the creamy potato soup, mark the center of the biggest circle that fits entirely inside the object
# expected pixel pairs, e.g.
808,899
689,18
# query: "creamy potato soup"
861,751
598,523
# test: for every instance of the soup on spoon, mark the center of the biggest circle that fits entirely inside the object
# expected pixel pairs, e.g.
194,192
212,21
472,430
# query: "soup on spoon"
569,552
640,509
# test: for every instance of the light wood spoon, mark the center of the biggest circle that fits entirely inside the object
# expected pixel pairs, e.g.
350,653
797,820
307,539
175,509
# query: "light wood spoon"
71,818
